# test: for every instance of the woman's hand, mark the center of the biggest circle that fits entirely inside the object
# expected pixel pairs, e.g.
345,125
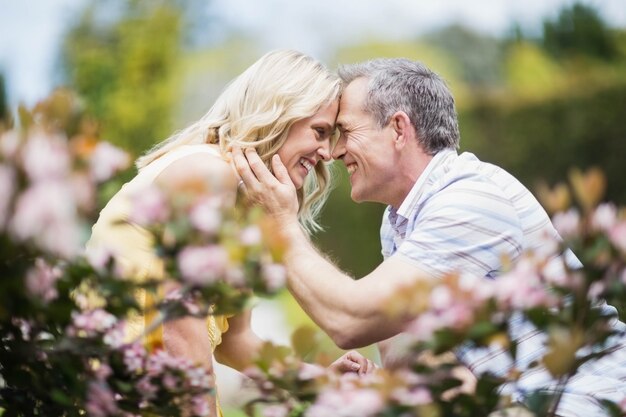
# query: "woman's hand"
276,194
353,361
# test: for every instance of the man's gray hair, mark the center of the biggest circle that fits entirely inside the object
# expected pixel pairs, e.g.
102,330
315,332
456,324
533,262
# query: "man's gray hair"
398,84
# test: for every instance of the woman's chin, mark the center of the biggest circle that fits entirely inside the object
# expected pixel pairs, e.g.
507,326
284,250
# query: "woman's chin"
297,181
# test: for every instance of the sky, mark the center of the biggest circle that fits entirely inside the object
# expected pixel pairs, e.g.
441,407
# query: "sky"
31,30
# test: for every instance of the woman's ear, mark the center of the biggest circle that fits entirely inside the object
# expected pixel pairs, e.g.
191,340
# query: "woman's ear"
403,129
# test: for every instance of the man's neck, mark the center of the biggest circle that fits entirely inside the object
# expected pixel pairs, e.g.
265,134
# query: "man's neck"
410,172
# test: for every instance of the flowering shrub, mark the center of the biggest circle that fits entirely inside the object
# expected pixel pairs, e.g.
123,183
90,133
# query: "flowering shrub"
62,355
553,300
59,353
216,251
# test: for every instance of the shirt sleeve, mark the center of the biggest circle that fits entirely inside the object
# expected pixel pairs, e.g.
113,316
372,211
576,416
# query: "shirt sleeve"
469,226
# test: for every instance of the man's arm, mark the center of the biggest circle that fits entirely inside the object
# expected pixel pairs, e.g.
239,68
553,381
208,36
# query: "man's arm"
351,311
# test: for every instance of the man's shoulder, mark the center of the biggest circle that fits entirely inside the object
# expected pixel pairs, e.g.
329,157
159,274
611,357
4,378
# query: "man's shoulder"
468,174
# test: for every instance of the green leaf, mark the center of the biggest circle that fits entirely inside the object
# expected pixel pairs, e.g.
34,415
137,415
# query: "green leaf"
304,341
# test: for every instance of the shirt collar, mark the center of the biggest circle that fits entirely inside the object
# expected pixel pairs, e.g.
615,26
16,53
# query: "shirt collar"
405,209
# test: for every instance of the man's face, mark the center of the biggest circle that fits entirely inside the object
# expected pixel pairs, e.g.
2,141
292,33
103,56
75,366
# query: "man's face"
366,149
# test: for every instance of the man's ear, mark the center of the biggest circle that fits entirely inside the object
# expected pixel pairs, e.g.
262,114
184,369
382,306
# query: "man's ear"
403,129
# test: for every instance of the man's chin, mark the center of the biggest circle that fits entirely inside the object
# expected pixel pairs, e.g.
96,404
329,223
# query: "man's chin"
355,196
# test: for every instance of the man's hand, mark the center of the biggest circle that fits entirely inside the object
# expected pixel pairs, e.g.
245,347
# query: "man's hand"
353,361
276,194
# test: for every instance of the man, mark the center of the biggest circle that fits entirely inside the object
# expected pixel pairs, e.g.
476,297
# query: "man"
446,212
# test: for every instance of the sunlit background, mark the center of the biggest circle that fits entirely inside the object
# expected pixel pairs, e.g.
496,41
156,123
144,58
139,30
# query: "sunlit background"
540,84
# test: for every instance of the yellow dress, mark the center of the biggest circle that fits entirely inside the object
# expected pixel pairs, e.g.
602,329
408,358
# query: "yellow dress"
132,246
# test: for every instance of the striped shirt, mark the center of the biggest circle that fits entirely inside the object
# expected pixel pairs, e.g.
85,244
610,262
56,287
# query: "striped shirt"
466,215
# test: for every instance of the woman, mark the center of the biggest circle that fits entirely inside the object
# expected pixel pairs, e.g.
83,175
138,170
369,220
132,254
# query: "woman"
286,104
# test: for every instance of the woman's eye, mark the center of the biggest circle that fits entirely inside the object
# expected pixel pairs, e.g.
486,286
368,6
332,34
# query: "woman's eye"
321,131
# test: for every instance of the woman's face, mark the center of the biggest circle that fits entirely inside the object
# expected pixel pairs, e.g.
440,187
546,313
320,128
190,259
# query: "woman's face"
308,142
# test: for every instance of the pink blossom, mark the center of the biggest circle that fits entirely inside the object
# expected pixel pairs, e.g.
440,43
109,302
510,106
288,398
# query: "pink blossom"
236,277
412,397
9,144
24,325
346,403
115,336
274,276
522,288
548,245
596,289
103,371
200,406
7,188
106,160
310,371
457,316
170,381
162,360
618,236
46,157
146,388
478,288
622,404
134,356
276,410
206,216
149,206
250,236
199,377
555,273
567,224
425,326
604,217
203,265
100,400
46,213
84,191
91,323
440,297
41,280
98,257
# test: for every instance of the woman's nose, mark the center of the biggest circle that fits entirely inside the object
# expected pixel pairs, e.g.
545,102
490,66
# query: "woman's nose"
324,150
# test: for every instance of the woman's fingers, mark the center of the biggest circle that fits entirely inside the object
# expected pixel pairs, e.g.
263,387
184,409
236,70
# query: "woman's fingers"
258,167
280,170
243,168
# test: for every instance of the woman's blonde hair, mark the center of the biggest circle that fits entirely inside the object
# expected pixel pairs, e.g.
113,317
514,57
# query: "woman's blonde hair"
257,109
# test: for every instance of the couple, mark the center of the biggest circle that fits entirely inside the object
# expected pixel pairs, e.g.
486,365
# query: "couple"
398,136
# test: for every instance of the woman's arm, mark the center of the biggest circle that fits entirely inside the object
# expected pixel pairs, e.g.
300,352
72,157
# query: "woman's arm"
240,345
188,337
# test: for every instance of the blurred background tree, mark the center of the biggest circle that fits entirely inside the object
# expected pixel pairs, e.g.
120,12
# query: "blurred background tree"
121,58
579,30
4,105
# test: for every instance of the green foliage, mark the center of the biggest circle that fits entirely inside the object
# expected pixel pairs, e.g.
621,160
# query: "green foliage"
444,64
351,236
125,69
4,106
530,72
543,140
479,57
578,30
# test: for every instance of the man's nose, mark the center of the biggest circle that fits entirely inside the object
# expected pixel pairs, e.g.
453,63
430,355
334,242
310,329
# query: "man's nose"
340,148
